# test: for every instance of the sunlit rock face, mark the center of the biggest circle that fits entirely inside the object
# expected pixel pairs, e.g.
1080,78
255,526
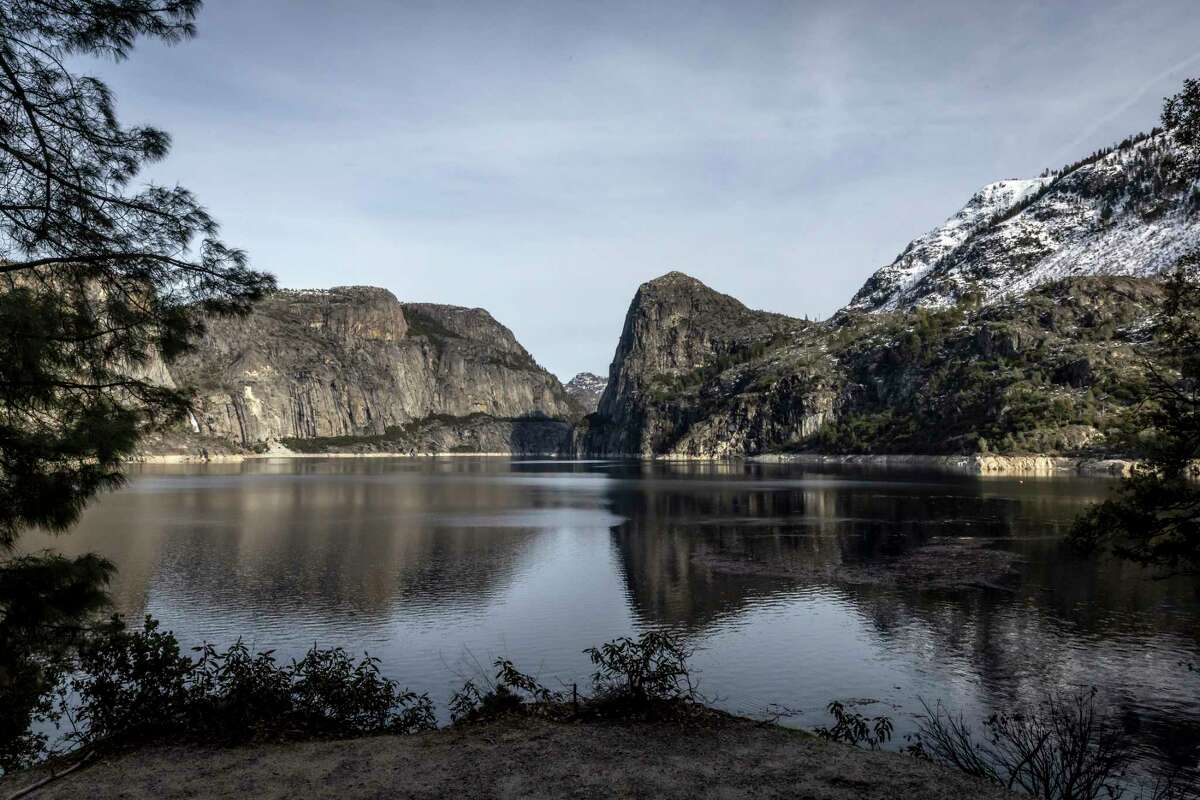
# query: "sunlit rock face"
356,362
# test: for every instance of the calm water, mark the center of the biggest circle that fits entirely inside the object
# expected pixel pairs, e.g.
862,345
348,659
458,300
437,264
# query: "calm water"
439,566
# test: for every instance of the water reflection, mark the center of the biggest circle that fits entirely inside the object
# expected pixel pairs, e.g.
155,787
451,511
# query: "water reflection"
438,565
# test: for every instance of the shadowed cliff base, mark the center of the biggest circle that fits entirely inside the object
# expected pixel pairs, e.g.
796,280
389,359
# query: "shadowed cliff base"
523,757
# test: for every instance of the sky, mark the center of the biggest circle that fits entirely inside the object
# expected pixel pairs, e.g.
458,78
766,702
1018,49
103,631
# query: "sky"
542,159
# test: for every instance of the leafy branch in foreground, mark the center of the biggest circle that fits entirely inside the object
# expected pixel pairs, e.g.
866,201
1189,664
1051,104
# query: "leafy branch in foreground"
136,685
102,279
511,691
853,728
642,674
644,677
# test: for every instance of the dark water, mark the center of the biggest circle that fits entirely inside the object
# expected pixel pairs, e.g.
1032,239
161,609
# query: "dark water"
439,566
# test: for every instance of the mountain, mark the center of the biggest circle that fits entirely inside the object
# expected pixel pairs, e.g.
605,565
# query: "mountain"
585,389
1129,210
1052,371
678,336
1012,327
353,367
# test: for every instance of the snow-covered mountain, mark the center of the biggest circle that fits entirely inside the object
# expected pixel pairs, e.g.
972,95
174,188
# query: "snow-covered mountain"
586,389
1131,210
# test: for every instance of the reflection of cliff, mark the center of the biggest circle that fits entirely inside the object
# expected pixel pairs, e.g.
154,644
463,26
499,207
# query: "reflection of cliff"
1069,623
318,541
820,521
810,525
669,521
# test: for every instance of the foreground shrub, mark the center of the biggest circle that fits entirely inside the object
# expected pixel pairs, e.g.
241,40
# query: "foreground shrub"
1065,748
853,728
135,685
642,675
510,691
130,681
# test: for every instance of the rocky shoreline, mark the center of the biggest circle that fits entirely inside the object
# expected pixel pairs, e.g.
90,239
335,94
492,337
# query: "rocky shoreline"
1029,465
1033,465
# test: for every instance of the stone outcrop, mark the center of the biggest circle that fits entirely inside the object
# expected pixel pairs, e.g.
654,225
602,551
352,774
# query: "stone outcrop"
678,352
356,362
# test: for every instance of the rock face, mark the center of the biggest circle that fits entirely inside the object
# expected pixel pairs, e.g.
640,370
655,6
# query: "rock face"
1132,210
680,337
1012,327
697,374
356,362
585,389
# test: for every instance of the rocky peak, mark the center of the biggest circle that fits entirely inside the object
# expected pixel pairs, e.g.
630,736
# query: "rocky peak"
443,322
676,324
676,327
586,389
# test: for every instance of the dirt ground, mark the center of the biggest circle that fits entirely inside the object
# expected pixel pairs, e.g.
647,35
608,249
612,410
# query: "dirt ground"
526,758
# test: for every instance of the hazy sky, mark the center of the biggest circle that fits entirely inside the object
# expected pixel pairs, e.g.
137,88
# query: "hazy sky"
541,159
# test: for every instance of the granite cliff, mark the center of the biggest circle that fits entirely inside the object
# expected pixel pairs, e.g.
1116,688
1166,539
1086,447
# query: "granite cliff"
1054,371
680,357
352,367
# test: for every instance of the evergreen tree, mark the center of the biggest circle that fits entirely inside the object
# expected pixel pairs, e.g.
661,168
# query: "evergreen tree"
1154,519
1181,116
99,279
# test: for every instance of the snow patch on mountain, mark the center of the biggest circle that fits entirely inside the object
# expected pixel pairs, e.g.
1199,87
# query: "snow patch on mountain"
586,388
889,284
1132,211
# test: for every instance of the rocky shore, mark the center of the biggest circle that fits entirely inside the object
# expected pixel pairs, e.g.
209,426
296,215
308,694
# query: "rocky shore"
1033,465
1029,465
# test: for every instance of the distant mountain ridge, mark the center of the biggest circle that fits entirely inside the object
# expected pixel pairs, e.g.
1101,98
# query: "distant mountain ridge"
1012,327
586,388
1132,210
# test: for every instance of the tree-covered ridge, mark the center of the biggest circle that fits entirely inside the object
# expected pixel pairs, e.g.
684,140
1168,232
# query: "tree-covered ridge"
1055,371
